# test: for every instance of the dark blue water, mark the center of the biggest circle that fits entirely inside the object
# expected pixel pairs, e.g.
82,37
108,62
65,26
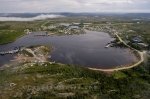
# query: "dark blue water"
85,49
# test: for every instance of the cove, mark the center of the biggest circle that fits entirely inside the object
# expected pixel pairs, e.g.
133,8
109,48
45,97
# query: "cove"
86,50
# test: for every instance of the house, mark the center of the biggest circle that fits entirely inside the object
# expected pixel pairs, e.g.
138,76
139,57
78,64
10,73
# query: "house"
130,31
27,31
51,27
77,24
74,27
64,24
136,39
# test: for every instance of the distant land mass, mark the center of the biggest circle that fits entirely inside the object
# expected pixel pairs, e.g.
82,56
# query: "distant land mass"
42,16
146,15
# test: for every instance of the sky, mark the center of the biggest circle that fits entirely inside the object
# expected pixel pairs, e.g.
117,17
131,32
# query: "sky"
40,6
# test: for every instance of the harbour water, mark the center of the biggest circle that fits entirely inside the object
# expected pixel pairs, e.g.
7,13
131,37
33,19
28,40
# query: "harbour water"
84,50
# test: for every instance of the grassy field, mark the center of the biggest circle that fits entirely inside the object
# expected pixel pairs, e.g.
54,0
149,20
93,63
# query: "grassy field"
7,36
56,81
9,31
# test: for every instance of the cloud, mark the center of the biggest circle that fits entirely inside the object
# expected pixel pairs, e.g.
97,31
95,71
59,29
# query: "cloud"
74,5
39,17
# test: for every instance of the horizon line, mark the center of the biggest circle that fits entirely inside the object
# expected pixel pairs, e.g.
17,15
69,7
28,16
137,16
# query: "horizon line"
75,12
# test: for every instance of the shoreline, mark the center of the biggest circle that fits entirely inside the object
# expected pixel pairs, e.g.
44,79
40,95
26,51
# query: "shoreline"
116,68
122,68
13,40
141,59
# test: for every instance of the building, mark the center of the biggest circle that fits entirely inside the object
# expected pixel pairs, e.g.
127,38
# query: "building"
136,39
27,31
74,27
64,24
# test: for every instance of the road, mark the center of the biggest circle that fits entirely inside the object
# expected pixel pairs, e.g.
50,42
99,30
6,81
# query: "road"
141,54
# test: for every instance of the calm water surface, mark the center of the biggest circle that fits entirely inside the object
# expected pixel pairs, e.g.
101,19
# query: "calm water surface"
85,49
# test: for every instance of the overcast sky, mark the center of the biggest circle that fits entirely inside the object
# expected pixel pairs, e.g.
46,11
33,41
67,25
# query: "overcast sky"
17,6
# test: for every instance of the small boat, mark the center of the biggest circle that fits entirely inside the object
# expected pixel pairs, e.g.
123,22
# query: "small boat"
108,45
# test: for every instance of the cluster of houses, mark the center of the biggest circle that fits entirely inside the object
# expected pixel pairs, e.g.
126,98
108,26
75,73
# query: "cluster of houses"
66,28
134,40
27,31
102,28
137,40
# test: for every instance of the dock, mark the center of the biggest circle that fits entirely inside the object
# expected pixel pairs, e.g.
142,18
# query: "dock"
10,52
108,45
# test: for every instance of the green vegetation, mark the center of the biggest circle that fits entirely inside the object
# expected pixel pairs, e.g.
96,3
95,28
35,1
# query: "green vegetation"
9,31
119,75
58,81
127,31
7,36
33,80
